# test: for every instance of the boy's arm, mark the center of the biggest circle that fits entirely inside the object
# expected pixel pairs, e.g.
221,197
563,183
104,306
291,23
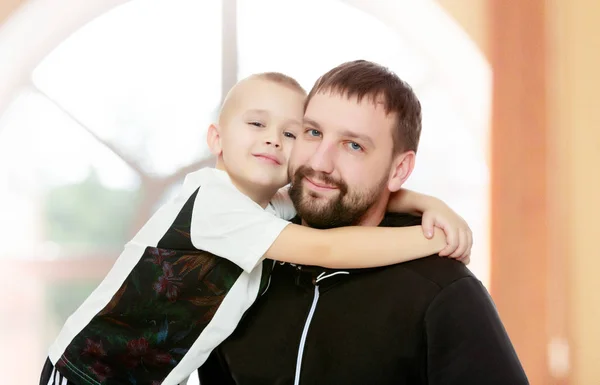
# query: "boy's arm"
352,244
228,224
353,247
436,213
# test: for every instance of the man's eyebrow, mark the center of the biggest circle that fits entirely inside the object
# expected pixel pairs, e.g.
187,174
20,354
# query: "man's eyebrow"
294,122
311,122
354,135
346,133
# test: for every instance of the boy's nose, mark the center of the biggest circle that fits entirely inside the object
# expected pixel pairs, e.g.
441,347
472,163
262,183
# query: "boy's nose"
274,144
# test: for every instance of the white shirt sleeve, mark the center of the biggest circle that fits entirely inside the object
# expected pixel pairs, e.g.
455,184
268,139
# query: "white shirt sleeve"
158,224
227,223
282,204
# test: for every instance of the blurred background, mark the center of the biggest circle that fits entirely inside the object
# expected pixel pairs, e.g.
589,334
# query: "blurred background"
104,106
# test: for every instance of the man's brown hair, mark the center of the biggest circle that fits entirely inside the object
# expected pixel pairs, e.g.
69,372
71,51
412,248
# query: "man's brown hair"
361,78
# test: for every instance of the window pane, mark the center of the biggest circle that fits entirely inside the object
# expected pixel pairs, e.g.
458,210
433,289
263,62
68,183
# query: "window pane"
320,35
58,184
144,77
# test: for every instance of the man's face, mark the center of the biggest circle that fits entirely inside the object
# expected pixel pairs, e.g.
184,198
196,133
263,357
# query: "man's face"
341,163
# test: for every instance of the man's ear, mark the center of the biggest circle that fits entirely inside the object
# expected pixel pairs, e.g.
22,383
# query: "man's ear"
213,139
402,167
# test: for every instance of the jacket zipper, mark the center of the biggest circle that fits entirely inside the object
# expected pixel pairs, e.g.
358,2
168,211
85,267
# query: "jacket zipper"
304,333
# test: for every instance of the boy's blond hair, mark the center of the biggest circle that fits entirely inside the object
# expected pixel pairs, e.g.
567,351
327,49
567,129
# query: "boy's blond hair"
278,77
275,77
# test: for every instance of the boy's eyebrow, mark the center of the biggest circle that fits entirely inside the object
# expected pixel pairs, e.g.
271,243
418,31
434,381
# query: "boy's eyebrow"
265,112
257,111
346,133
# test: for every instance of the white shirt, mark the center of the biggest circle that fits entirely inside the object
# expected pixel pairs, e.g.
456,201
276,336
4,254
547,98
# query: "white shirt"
224,222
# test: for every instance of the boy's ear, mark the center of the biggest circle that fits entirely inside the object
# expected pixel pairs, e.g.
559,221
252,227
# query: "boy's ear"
401,169
213,139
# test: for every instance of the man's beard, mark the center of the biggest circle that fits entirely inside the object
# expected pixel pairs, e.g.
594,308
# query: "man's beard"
345,209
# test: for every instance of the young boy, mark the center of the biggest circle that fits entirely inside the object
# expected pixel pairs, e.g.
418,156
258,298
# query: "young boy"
184,281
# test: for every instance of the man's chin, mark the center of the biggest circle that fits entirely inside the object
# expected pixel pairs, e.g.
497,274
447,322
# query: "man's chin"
316,220
316,211
317,202
313,201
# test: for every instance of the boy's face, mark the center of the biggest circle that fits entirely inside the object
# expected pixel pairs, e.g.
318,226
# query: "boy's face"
258,130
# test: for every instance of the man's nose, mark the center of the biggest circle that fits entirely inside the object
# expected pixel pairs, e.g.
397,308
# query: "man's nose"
322,159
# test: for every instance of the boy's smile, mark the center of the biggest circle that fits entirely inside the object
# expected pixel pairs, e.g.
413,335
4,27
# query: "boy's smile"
268,158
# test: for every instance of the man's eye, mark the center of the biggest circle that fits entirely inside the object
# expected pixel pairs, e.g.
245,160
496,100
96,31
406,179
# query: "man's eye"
355,146
256,124
313,132
288,134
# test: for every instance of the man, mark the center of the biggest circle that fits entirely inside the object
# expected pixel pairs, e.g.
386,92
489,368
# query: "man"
427,321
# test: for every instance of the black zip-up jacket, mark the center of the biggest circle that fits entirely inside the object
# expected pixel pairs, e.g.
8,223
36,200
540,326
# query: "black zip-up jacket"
428,321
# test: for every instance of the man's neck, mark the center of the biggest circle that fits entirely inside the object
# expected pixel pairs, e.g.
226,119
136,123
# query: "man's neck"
375,214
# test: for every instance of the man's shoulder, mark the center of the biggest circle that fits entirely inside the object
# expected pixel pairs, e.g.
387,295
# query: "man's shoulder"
435,270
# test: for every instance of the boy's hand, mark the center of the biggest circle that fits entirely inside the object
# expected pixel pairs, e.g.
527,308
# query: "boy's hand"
458,233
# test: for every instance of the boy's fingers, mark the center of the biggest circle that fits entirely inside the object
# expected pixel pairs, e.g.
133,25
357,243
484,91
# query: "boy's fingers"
466,259
427,224
470,233
452,240
462,246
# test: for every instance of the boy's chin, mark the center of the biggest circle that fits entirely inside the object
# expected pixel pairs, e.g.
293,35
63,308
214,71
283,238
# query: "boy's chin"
268,183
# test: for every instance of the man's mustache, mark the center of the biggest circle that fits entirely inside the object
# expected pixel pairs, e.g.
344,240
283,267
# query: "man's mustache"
316,176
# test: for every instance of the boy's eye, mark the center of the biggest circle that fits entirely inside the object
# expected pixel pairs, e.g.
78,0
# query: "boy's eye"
314,133
288,134
256,124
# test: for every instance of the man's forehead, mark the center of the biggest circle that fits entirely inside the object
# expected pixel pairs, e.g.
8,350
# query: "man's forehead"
335,108
349,116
